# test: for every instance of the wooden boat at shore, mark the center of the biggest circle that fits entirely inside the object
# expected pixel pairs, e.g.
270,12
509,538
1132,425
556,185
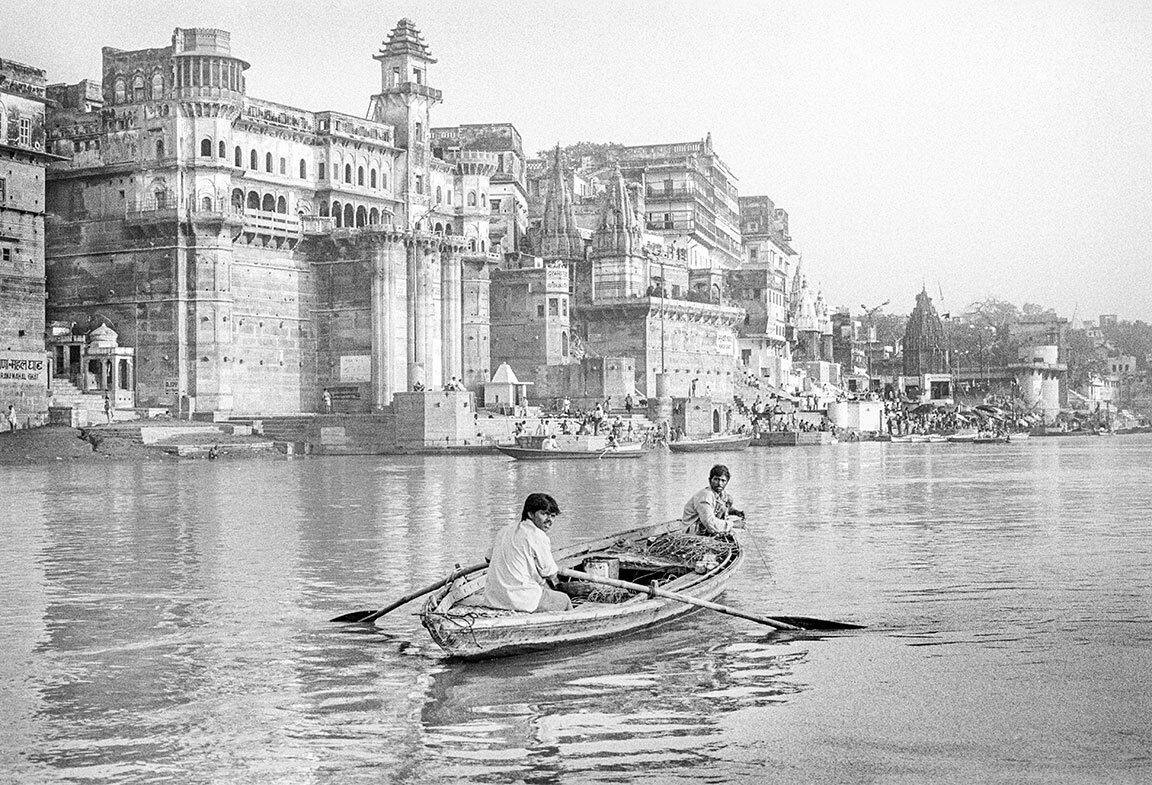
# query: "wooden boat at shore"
689,564
712,444
533,448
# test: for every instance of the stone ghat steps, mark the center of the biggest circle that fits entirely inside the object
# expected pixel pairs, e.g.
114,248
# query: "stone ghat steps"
284,427
172,432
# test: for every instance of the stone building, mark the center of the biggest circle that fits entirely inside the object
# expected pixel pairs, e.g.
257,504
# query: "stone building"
253,253
761,286
925,343
24,368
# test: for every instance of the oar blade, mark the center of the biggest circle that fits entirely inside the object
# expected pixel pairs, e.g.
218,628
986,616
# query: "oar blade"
809,623
354,616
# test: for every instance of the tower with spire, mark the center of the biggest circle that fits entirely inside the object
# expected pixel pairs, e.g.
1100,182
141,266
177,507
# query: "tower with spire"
559,236
619,266
925,344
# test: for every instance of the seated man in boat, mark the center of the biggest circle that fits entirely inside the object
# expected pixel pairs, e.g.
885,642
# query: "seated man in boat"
710,508
520,563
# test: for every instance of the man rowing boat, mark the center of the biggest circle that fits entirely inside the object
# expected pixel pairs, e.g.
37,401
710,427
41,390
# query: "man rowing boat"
710,508
521,562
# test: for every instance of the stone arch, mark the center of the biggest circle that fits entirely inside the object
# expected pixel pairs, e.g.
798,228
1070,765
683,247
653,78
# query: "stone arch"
349,216
159,149
303,207
338,214
361,216
205,147
237,199
252,162
138,88
268,162
372,178
323,209
716,421
268,204
223,150
157,86
118,92
384,180
439,228
303,169
253,200
471,198
281,205
206,203
347,173
360,175
239,157
373,216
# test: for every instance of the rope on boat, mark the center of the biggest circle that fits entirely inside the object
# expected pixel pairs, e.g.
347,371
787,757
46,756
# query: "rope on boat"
683,548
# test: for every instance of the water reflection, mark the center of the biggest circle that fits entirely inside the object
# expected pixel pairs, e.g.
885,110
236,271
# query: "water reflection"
167,622
600,712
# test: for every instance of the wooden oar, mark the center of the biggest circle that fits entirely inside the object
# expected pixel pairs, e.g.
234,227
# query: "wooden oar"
791,622
368,616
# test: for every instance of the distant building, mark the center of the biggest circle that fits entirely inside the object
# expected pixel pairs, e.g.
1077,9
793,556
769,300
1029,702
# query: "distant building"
24,366
252,253
925,342
1108,320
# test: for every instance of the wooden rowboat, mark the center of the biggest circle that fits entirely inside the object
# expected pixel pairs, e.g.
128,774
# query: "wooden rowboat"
662,552
532,448
712,444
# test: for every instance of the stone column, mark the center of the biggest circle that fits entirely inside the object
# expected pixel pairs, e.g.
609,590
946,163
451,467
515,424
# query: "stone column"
388,358
414,353
431,295
450,313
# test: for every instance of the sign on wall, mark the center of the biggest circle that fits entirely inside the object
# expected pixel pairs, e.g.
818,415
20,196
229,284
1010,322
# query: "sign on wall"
171,387
725,344
24,369
356,368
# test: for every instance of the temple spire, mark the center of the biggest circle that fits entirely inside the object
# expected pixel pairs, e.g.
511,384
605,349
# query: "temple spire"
559,236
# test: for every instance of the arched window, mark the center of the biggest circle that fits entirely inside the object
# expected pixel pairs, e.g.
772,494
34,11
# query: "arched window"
349,219
323,209
283,166
253,200
206,204
347,173
252,161
564,344
281,205
438,228
118,92
303,169
372,178
239,159
471,198
361,216
206,148
125,376
373,216
384,180
157,86
159,148
269,204
360,176
439,195
237,199
483,200
338,214
223,150
267,162
138,88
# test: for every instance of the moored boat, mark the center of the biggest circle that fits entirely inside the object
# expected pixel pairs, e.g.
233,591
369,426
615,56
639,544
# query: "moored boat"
537,448
691,565
712,444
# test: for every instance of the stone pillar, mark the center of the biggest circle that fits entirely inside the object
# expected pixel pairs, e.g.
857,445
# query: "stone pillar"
451,274
429,295
414,353
388,358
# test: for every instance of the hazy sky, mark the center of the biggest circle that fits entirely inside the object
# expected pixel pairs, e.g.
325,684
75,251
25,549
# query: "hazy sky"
977,149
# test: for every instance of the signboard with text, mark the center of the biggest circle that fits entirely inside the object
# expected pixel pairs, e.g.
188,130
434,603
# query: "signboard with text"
356,368
23,370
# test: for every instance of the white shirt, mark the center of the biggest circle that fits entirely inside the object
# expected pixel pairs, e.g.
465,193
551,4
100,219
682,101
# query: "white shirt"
706,508
521,558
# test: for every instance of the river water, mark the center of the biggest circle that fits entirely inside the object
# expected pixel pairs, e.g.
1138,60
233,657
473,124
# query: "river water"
167,622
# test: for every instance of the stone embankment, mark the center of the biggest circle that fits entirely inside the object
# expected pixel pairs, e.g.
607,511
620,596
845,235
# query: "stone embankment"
136,440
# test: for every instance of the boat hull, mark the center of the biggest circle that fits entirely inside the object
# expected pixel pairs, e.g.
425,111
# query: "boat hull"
710,445
474,633
533,454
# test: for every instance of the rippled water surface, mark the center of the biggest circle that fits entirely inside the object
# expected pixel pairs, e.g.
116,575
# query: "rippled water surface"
168,622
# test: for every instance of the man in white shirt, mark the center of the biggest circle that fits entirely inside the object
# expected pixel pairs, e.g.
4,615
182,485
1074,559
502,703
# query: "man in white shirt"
711,508
520,562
